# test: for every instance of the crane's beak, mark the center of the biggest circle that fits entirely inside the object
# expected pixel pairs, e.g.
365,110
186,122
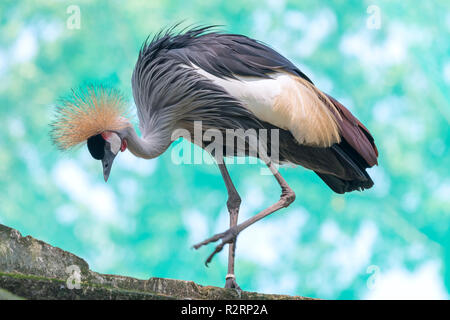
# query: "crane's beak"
107,162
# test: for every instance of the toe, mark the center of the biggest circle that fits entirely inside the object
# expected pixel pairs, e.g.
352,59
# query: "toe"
209,240
216,250
232,284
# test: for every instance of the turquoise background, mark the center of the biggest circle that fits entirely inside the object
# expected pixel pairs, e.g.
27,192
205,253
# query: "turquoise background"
388,242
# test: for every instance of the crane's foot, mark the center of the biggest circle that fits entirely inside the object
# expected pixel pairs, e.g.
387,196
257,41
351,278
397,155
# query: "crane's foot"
230,282
228,236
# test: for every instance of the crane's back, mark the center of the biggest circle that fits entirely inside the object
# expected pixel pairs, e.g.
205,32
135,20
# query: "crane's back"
194,76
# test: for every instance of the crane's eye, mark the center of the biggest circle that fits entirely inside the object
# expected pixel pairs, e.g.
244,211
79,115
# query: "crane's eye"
96,146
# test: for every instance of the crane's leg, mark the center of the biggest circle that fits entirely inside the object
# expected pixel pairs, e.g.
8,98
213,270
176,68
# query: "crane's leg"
233,204
229,236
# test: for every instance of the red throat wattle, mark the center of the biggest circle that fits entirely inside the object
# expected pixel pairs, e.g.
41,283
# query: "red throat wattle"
124,145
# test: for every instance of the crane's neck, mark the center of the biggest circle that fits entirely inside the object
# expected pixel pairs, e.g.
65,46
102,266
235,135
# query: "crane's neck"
148,147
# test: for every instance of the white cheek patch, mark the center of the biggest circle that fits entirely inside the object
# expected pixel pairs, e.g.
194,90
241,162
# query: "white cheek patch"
115,142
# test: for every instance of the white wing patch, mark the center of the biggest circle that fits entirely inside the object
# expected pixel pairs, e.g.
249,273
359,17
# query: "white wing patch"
288,102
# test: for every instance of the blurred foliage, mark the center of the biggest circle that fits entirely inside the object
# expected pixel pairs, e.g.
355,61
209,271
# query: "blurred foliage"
396,79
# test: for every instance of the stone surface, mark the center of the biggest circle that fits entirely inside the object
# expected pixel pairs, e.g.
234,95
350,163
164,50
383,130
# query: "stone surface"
33,269
5,295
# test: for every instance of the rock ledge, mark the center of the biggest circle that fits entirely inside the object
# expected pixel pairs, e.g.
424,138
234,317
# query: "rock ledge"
33,269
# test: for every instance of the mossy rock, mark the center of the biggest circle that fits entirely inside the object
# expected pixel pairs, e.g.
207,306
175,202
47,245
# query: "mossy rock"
33,269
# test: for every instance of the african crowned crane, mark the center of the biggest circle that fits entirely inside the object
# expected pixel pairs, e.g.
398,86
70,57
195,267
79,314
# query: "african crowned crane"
226,81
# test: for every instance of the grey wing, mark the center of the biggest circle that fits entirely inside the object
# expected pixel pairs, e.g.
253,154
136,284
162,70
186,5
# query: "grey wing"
227,55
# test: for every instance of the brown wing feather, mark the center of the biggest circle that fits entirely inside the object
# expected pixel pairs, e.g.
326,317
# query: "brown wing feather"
356,134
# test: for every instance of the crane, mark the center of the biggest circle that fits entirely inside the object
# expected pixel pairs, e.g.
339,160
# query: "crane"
227,82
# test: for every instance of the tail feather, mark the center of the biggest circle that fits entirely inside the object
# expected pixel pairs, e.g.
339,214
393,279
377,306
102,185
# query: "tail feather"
339,185
357,151
349,159
356,134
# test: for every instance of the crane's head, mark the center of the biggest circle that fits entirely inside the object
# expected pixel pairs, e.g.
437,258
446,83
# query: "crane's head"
96,115
105,147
